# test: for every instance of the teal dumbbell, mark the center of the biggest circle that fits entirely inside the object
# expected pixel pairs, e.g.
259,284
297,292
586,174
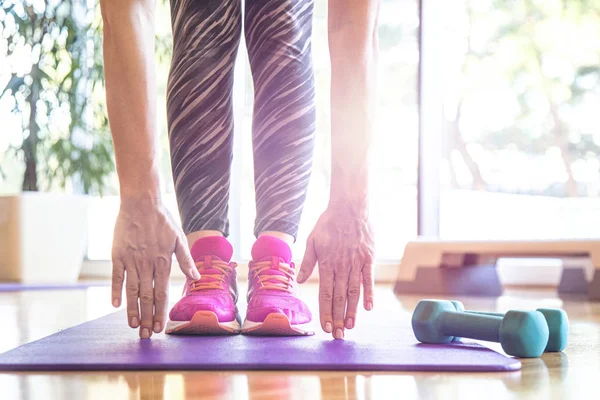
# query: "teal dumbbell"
521,333
460,308
557,320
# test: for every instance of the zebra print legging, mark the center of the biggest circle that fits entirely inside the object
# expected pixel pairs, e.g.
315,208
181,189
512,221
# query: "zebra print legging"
206,35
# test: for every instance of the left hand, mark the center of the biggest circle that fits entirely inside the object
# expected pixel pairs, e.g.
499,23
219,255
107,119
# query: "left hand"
343,246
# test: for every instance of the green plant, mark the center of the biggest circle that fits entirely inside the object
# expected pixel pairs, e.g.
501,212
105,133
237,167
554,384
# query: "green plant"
52,57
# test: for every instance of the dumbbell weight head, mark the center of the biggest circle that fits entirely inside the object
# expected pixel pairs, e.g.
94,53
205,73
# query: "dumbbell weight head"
558,324
427,321
460,308
524,333
558,327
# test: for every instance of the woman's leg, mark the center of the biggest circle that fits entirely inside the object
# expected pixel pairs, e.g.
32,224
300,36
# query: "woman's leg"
206,36
278,36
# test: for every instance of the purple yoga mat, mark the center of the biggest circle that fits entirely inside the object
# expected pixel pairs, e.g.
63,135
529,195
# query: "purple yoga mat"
18,287
382,341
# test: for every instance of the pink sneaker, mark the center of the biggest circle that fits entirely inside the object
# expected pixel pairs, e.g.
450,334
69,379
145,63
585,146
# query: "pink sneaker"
273,308
208,305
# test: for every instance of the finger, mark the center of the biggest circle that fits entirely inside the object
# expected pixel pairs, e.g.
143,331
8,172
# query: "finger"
161,292
308,262
146,275
118,276
339,303
326,299
185,260
368,284
353,297
132,291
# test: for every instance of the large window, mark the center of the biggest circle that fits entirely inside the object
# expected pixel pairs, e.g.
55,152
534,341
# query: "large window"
522,127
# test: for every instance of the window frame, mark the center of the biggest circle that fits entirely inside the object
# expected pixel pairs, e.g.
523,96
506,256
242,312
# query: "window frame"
431,127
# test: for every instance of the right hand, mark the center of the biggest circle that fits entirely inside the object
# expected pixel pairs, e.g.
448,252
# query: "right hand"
145,238
343,246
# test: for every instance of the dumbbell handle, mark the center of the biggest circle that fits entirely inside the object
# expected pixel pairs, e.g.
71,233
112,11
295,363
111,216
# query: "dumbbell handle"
492,314
473,326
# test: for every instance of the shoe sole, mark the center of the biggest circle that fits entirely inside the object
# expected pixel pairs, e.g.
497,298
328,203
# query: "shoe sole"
275,324
203,323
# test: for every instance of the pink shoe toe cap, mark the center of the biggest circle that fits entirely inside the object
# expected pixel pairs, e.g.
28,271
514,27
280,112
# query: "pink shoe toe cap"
295,317
184,311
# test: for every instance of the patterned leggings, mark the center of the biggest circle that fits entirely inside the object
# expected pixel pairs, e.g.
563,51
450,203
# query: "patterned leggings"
206,35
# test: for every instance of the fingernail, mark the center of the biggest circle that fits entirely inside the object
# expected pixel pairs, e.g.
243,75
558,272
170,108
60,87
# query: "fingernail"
369,305
349,323
196,275
339,333
300,277
157,327
328,327
115,303
134,322
145,333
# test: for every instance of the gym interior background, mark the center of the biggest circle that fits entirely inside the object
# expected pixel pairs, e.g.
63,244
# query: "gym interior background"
487,129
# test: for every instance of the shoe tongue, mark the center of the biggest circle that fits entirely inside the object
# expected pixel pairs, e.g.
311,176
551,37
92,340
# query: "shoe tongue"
267,247
216,246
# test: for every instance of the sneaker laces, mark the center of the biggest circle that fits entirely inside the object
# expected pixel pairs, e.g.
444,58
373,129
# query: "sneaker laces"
213,279
284,281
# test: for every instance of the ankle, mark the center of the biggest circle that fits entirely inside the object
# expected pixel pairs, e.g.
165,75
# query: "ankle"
289,239
193,236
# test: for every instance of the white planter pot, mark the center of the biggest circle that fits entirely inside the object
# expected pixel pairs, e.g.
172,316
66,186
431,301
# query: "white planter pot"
43,237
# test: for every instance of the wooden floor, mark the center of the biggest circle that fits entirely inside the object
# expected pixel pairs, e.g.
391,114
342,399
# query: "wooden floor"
575,373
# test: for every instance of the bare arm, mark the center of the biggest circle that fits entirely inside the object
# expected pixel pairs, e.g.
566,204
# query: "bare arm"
131,93
145,235
342,242
353,53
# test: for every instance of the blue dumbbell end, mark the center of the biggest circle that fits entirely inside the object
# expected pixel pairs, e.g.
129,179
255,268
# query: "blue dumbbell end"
460,308
558,322
458,305
524,333
427,322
